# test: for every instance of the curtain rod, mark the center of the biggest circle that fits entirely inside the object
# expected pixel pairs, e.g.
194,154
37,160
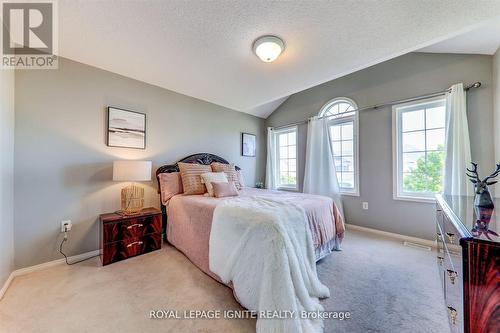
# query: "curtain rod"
376,106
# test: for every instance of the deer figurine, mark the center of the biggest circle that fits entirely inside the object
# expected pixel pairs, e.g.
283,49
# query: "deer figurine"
482,197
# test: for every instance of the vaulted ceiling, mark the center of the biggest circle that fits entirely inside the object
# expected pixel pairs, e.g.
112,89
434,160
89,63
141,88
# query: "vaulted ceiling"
204,48
485,39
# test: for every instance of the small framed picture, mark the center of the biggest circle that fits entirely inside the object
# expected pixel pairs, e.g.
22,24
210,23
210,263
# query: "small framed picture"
248,145
126,128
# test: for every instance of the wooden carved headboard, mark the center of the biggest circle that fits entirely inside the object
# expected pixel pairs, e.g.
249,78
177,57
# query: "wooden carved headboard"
200,158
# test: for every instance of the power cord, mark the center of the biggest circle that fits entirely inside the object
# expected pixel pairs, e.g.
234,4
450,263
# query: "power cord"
65,257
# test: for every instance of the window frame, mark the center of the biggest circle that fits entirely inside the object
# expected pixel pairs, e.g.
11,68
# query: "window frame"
354,118
286,130
397,154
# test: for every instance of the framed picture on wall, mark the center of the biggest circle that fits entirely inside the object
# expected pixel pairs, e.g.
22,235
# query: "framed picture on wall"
126,128
248,145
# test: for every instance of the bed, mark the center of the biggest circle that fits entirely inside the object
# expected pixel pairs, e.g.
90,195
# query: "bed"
189,219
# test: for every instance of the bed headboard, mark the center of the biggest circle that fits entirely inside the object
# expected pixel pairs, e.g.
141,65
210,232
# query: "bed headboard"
200,158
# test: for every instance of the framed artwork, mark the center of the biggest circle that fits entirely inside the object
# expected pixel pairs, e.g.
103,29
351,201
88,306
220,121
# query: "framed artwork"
248,145
126,128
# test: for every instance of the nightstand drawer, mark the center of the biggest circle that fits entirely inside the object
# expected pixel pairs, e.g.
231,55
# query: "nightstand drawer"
116,251
122,237
131,228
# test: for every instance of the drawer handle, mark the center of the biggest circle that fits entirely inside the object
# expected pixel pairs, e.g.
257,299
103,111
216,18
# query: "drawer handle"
452,312
440,260
134,243
452,275
139,225
451,237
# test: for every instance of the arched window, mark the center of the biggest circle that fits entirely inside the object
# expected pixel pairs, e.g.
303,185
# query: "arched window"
343,121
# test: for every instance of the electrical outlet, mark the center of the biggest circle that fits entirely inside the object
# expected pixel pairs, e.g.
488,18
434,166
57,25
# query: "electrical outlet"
365,205
66,225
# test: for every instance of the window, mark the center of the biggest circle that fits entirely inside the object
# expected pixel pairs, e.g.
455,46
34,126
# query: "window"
419,133
343,122
286,158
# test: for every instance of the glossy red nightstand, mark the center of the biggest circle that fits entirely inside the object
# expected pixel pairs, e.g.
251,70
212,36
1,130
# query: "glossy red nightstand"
122,236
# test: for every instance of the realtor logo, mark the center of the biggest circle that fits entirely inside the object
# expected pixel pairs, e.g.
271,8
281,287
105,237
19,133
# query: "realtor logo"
28,34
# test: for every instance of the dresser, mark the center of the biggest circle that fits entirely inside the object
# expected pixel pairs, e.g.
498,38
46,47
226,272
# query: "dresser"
122,237
468,258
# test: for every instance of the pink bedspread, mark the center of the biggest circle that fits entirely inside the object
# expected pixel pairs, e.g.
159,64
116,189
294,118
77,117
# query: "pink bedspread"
190,220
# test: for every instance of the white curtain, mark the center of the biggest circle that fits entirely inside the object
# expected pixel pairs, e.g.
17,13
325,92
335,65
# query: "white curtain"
271,162
320,176
458,155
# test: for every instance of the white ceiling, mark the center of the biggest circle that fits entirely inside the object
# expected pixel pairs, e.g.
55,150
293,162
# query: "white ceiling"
484,39
204,48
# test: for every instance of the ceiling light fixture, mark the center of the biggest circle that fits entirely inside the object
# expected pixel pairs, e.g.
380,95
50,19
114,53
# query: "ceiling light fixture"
268,48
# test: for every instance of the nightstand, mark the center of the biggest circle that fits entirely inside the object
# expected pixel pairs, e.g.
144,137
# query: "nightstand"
122,236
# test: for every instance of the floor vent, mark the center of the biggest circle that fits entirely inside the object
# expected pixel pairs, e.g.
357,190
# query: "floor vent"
417,246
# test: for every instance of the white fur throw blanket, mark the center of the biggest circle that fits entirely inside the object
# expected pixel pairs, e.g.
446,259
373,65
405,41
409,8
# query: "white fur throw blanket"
264,247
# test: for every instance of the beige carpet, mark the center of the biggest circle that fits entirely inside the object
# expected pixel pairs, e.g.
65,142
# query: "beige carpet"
385,286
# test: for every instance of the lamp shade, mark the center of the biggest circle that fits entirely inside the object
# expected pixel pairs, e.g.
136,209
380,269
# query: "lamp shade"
133,171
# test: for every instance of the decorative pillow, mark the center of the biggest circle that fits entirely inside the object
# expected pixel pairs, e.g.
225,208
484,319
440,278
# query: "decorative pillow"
222,190
170,185
191,180
229,170
209,177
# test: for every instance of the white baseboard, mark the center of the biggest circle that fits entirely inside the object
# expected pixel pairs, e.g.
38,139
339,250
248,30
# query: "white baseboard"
6,285
31,269
400,237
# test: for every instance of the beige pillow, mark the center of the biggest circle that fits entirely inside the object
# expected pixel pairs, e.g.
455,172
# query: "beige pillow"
230,171
191,179
209,177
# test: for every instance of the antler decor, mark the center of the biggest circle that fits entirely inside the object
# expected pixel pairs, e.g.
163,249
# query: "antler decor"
475,176
482,197
493,175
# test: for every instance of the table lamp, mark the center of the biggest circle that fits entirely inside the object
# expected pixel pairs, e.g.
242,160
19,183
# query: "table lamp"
133,195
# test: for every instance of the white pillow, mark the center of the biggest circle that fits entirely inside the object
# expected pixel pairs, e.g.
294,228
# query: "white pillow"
208,177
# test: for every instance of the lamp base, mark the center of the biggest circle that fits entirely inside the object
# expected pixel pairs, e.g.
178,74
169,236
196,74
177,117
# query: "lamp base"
132,200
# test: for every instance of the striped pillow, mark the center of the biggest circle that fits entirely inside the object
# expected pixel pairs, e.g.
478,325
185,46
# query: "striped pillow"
230,171
191,180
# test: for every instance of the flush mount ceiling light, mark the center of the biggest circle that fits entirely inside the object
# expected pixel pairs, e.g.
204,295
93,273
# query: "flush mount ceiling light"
268,48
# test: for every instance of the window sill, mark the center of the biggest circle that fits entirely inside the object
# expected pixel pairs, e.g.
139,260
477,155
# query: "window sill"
415,199
351,194
289,189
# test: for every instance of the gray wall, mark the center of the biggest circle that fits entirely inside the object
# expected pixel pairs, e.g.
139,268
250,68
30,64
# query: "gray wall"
496,107
403,77
63,166
6,174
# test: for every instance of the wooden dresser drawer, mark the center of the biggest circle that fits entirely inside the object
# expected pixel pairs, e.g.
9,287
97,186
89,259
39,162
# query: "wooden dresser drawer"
450,265
439,220
469,250
440,255
451,234
131,228
116,251
122,237
453,287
